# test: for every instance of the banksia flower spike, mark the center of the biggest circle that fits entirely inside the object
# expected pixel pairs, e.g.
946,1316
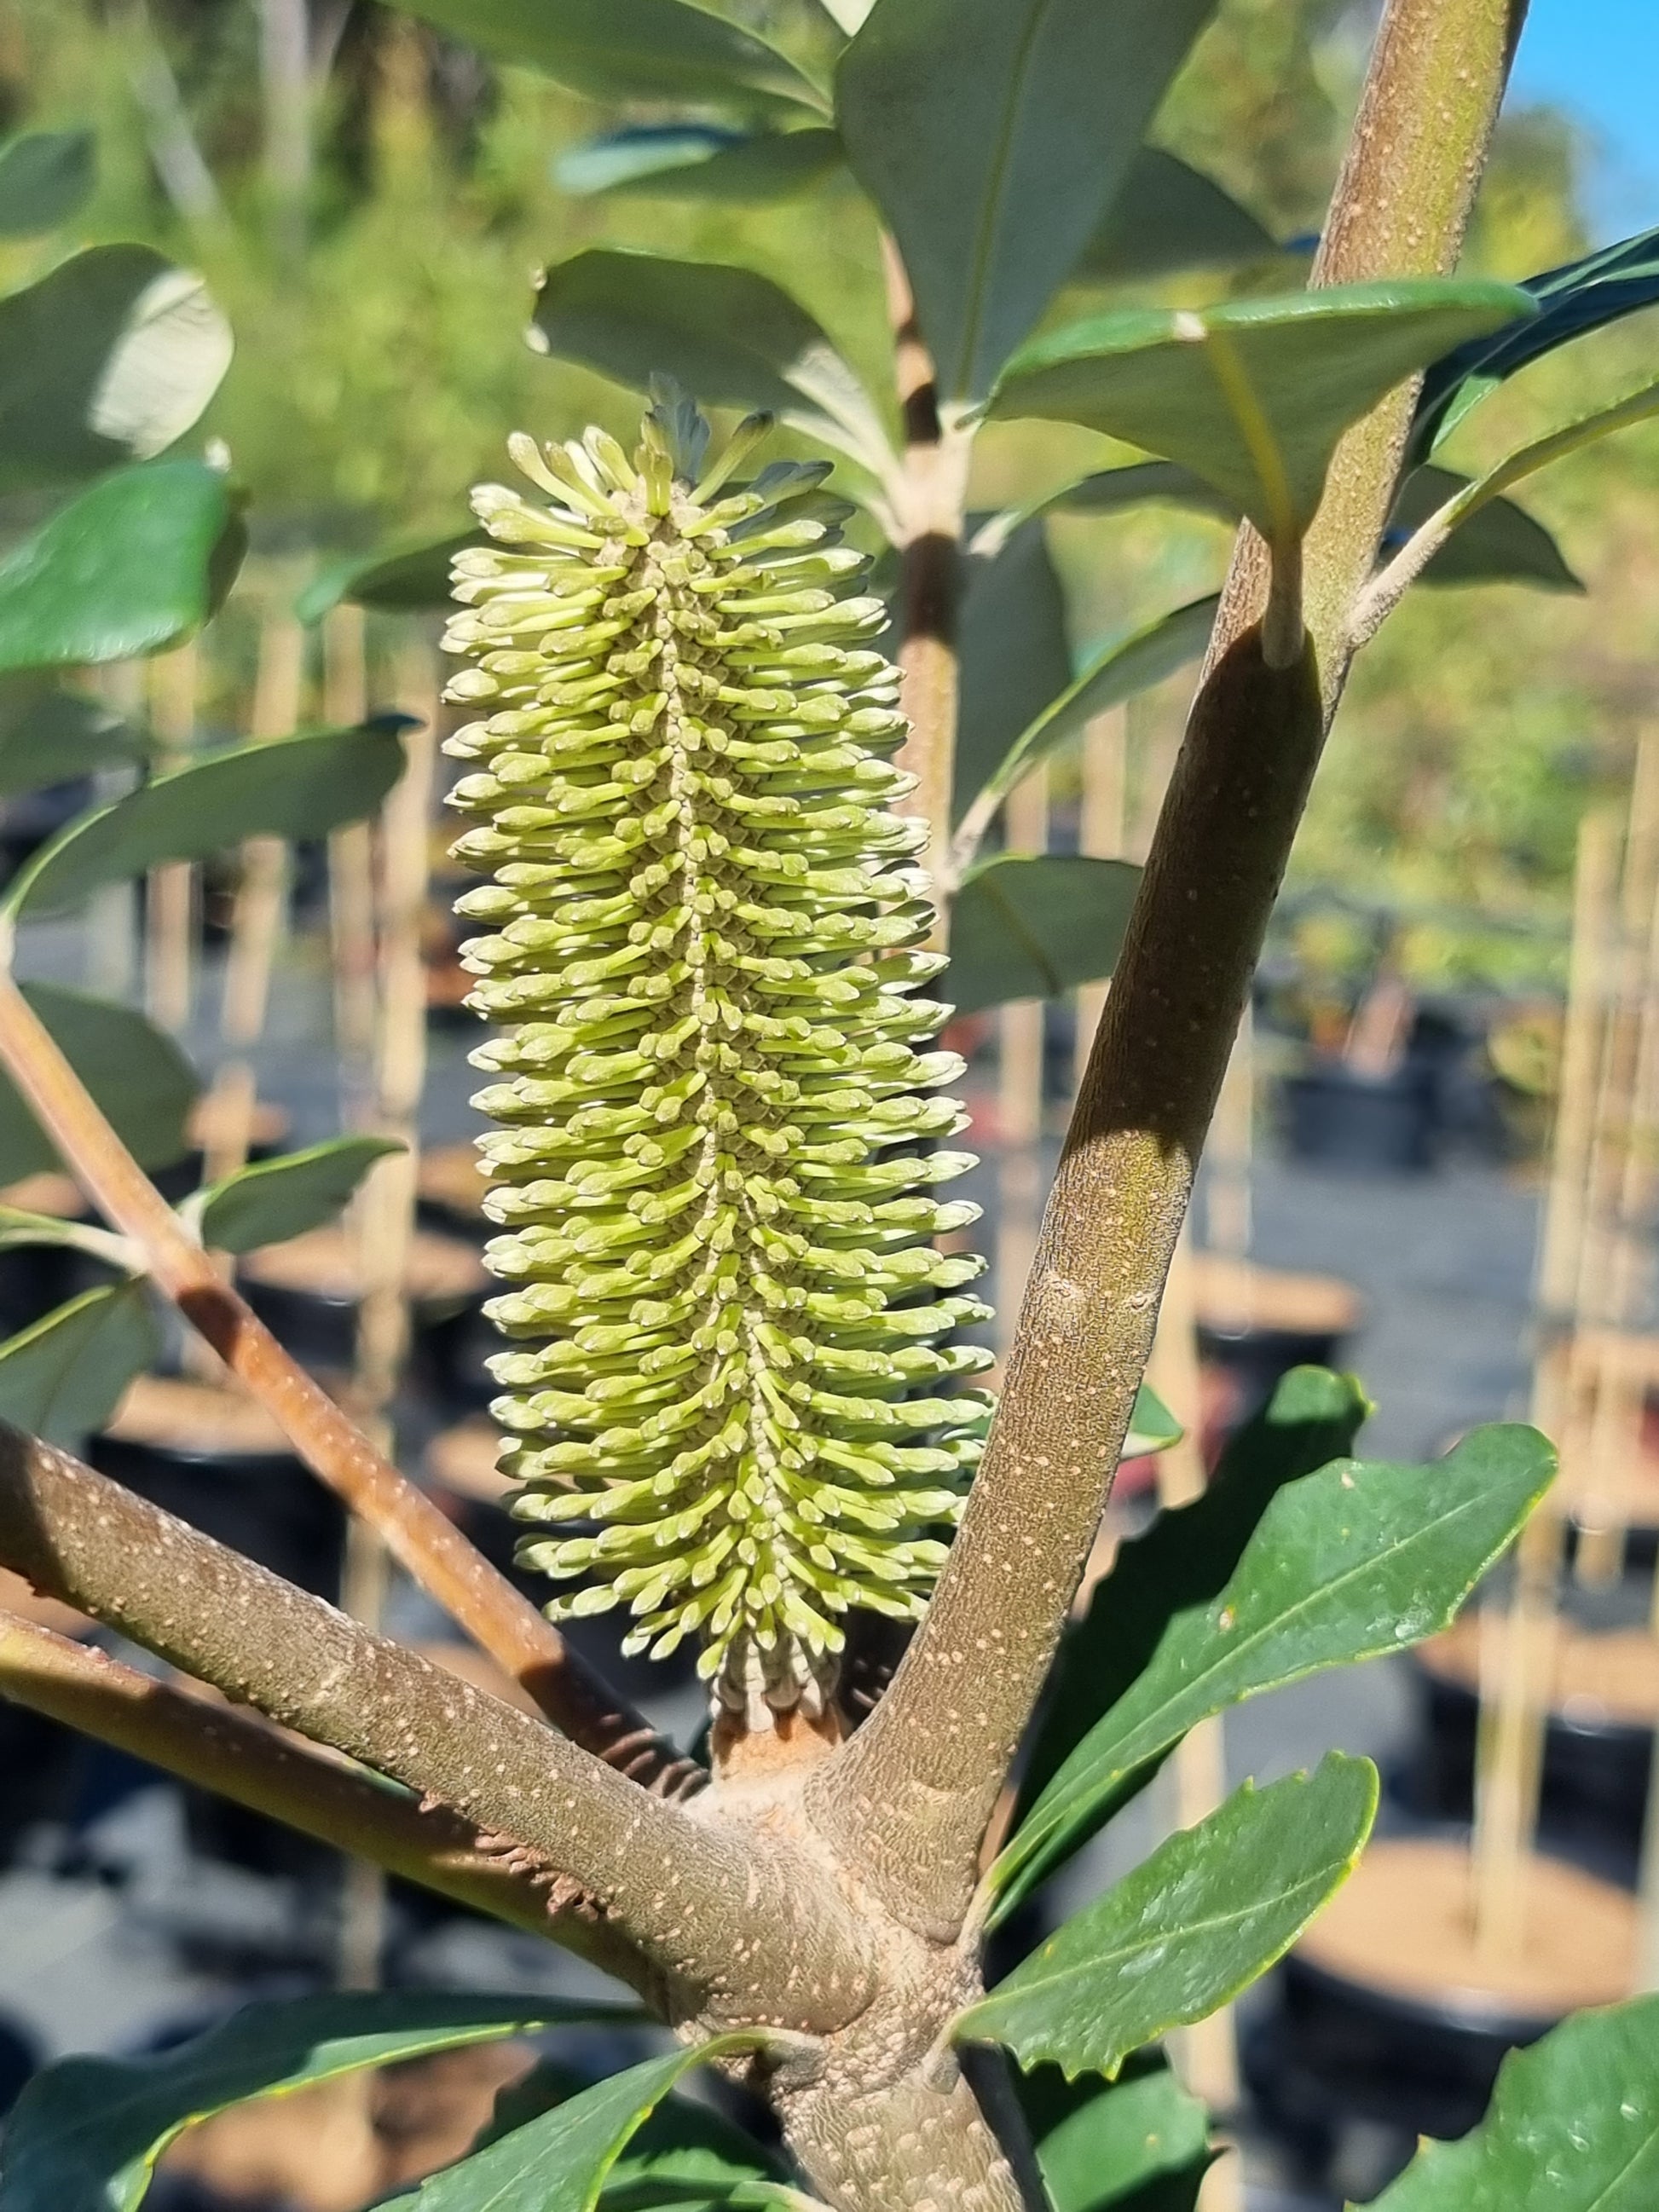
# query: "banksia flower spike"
734,1403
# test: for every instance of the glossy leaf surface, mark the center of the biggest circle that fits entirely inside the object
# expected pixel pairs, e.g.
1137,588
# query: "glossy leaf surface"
1033,926
1137,2144
1359,1559
701,161
45,177
86,2134
50,736
64,1377
1015,653
273,1199
731,336
137,1074
289,787
994,136
130,566
109,357
1573,2126
1203,1918
628,49
1169,217
1253,395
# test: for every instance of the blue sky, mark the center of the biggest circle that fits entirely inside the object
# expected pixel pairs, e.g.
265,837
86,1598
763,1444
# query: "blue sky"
1600,60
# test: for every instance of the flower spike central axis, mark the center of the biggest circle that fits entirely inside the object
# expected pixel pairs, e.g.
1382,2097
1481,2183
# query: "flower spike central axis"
736,1411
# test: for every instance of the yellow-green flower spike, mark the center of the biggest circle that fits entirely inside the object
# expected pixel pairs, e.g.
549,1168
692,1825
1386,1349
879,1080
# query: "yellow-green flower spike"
735,1405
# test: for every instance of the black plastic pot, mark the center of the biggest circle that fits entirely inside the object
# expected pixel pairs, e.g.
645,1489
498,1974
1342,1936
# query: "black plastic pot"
1377,1124
1594,1793
450,1337
41,1764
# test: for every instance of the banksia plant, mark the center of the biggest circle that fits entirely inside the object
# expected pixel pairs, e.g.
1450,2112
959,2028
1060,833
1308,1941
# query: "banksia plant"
735,1405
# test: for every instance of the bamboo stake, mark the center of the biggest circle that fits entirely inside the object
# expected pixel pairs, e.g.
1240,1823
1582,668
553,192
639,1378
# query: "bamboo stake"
111,939
1517,1673
385,1209
1019,1092
1647,1964
257,922
350,873
1208,2052
1102,832
170,890
1228,1157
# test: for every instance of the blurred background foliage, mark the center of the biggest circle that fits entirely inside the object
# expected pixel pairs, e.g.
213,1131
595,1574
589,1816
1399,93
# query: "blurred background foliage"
370,207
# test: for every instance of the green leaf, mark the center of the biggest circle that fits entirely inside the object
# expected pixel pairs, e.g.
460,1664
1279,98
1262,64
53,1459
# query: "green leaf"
1169,217
700,162
1573,2126
85,2135
994,134
45,177
290,787
411,577
1186,1557
559,2161
1253,395
1360,1558
48,736
1034,925
1142,483
62,1378
1137,2144
1015,651
732,337
1133,661
110,357
1579,296
273,1199
1500,544
128,567
1199,1921
140,1078
629,49
1152,1426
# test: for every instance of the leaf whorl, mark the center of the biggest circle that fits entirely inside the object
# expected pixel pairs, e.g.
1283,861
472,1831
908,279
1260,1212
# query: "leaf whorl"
716,1138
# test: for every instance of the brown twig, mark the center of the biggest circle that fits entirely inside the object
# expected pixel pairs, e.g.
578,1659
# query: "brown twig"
706,1908
912,1791
431,1548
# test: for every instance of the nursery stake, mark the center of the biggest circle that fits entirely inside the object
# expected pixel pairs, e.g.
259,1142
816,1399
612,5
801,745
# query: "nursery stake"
350,872
1102,829
1019,1090
170,890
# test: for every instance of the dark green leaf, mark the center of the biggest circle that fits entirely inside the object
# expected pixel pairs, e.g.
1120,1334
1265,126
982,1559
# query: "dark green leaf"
1167,217
731,337
1573,2126
127,568
1187,1558
1500,544
994,136
411,578
273,1199
1360,1558
136,1072
628,49
85,2135
1015,653
48,736
292,787
45,176
64,1377
700,162
559,2161
1152,1426
111,356
1114,672
1137,2144
1142,483
1034,925
684,2154
1199,1921
1253,395
1579,296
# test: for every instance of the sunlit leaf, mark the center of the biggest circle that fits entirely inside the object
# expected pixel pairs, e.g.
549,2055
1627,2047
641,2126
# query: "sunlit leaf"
700,162
1137,2144
273,1199
62,1378
1034,925
1500,544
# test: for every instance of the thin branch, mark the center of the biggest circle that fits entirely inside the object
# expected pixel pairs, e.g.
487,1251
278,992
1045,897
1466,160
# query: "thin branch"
714,1915
245,1758
432,1550
911,1793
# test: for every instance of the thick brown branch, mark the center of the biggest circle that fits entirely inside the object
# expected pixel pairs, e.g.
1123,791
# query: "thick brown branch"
715,1917
912,1791
246,1759
434,1551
